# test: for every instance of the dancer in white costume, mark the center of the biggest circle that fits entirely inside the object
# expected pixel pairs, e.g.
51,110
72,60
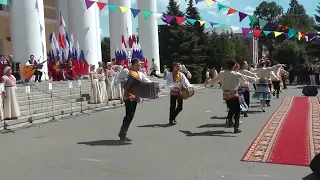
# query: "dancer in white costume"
102,83
110,81
10,103
95,95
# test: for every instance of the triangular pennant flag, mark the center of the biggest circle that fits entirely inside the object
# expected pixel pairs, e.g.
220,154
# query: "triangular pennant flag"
263,23
146,14
303,33
257,32
287,35
318,40
311,36
283,27
101,5
272,25
191,21
112,8
213,24
135,12
201,22
197,1
292,32
266,33
156,16
168,18
299,36
224,26
231,11
221,6
180,20
253,20
214,0
242,16
245,31
123,9
209,3
89,3
276,33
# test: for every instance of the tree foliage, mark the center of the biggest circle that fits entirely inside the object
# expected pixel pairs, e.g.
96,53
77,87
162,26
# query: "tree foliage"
105,49
290,52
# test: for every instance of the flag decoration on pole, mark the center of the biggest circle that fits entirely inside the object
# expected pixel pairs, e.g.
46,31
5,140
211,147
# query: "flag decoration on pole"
62,33
262,24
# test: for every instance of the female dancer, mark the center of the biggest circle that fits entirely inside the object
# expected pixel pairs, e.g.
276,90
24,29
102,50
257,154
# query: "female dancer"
230,83
245,85
109,81
263,92
102,83
10,103
95,94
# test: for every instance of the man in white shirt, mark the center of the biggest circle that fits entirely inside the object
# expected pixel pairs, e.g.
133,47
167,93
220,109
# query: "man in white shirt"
130,100
154,70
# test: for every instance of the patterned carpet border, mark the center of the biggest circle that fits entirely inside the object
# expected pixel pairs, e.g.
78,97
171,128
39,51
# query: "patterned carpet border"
261,147
314,127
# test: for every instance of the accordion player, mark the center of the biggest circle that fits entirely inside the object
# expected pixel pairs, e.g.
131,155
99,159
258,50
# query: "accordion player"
142,89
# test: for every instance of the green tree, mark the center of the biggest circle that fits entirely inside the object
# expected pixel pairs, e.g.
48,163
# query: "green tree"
105,49
269,11
173,9
290,52
192,12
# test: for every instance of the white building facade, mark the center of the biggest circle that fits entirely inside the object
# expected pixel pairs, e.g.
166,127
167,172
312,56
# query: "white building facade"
29,36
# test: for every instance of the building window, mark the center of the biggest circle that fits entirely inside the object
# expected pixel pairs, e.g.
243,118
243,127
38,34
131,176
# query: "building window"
4,8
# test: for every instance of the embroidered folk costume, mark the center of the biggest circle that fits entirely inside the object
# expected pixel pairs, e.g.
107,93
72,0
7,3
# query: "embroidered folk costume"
95,92
245,84
110,81
10,101
231,81
263,91
1,101
102,83
130,100
175,81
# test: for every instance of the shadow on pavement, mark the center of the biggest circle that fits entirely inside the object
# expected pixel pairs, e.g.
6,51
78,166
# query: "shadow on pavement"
216,117
214,125
105,143
208,133
310,177
157,125
254,111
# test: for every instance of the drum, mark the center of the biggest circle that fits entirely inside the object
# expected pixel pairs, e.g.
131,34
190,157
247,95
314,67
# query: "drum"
186,93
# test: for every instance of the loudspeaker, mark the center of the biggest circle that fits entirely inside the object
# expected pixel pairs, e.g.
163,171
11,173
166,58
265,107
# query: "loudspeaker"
315,165
310,91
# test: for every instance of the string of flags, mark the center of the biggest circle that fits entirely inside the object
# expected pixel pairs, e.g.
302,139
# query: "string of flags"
257,32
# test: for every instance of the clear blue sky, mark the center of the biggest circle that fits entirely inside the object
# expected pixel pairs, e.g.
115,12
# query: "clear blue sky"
210,14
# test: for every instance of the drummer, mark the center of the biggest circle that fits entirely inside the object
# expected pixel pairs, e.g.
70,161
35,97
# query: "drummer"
175,80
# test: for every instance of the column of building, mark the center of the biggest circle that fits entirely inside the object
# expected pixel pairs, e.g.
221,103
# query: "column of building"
28,30
85,26
119,24
148,33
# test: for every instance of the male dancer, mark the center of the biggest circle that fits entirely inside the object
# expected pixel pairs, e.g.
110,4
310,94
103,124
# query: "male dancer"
230,83
175,81
245,85
130,100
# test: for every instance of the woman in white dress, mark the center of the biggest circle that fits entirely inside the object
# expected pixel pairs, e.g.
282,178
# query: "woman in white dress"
110,81
102,83
117,89
10,102
95,94
1,101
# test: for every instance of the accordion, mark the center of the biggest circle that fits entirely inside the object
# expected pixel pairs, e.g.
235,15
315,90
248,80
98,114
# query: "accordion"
148,90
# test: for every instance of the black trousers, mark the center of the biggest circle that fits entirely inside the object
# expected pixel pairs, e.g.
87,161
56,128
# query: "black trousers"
254,86
130,107
276,86
38,75
234,111
270,87
284,82
154,73
246,95
176,104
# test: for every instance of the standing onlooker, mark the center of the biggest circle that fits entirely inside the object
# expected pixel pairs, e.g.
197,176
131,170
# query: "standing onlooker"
312,74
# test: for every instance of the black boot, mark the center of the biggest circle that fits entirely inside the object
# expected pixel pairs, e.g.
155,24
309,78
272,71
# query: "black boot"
123,133
172,122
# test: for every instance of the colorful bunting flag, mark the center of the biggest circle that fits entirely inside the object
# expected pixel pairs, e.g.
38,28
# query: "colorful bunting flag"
146,14
89,3
245,31
123,9
263,23
112,8
257,32
168,18
135,12
191,21
221,6
287,35
292,32
180,20
283,27
201,22
311,36
299,36
231,11
157,16
253,20
213,24
101,5
242,16
266,33
209,3
224,25
276,33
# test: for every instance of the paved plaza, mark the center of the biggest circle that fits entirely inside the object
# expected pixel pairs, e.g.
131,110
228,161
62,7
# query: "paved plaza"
199,147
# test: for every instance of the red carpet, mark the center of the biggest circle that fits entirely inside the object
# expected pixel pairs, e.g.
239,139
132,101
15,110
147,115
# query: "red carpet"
291,136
